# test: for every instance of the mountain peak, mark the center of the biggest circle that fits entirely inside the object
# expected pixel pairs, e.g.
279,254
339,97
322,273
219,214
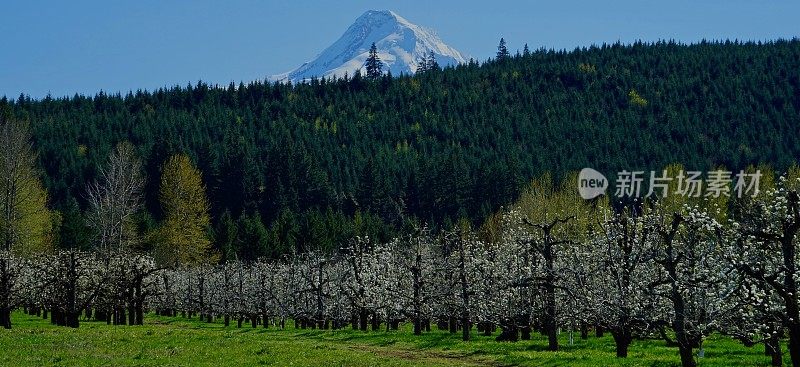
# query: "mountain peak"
381,16
377,14
400,43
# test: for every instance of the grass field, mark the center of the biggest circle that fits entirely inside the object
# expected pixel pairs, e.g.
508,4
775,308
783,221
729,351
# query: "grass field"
177,342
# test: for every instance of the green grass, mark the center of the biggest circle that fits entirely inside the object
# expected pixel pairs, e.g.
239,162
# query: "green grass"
177,342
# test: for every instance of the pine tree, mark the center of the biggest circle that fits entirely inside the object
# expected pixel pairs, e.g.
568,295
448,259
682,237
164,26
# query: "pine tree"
526,51
502,50
226,233
253,238
422,65
428,63
373,64
75,234
432,63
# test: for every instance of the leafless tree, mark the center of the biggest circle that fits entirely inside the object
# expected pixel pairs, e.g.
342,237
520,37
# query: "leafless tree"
114,199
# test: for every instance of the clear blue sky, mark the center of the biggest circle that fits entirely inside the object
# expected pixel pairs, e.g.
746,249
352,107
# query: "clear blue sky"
64,47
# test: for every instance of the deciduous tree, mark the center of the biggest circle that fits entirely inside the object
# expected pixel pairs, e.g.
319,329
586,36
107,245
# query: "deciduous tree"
183,236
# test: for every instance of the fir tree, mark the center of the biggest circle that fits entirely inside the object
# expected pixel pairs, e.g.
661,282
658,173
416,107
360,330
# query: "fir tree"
422,65
432,63
502,50
373,63
226,234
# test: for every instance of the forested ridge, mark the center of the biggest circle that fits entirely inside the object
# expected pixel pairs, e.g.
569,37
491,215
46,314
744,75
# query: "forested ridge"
309,166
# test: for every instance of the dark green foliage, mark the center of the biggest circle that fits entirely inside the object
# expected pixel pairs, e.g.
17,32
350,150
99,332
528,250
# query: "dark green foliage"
428,63
226,233
502,51
285,235
373,64
74,233
253,239
306,158
432,64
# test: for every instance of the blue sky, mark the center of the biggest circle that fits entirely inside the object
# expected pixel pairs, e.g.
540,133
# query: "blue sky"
65,47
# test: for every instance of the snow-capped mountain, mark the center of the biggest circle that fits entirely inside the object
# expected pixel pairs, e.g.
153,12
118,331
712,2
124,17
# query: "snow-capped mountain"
401,46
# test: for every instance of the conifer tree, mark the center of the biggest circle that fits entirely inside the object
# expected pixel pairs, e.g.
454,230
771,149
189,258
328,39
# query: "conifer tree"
502,50
373,64
422,65
226,233
432,63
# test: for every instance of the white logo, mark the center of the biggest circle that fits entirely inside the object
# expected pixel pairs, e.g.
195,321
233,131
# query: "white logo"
591,183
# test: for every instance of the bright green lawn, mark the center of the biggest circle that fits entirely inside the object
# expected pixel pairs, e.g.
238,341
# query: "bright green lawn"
177,342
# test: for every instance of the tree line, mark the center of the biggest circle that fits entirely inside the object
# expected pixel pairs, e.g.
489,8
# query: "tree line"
281,162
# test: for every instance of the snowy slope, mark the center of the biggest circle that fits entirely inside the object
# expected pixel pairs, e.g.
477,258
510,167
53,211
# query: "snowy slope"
401,45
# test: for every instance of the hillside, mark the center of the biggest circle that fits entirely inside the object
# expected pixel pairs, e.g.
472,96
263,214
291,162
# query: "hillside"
436,146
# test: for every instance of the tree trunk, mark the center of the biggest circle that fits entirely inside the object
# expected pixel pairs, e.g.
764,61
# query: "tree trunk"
131,315
687,358
508,333
362,317
526,333
488,329
72,319
376,321
139,314
138,303
466,328
794,343
622,340
5,317
452,325
120,316
772,347
550,321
